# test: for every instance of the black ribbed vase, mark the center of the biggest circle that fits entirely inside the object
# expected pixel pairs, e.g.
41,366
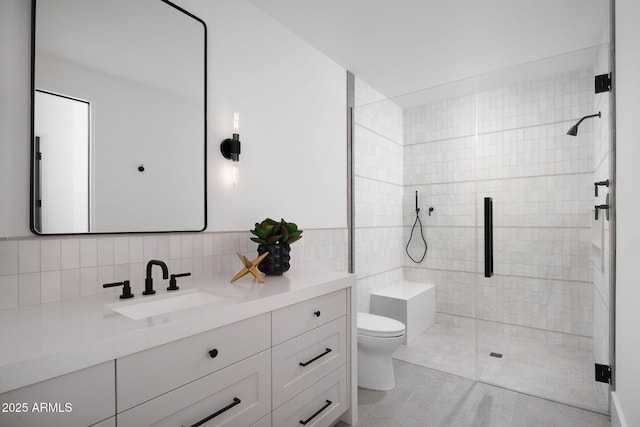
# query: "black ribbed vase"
277,262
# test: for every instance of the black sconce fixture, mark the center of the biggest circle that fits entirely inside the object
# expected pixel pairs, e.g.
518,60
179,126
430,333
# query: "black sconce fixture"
230,148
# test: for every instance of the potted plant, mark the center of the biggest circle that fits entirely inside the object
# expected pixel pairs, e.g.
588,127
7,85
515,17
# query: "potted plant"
275,237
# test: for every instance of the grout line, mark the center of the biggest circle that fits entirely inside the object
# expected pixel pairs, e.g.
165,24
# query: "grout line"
377,133
501,275
529,327
469,181
378,180
554,227
378,273
514,129
595,411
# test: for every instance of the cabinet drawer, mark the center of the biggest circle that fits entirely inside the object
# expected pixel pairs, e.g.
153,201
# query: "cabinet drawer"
303,360
319,405
238,395
296,319
150,373
111,422
80,398
264,422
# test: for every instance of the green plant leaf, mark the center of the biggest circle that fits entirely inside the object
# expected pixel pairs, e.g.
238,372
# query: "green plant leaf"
294,239
257,240
292,227
274,239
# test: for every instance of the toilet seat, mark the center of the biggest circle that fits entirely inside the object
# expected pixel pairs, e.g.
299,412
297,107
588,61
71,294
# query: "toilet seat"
372,325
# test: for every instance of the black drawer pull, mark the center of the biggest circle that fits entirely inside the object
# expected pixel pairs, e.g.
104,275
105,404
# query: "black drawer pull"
213,353
236,401
326,405
327,351
317,313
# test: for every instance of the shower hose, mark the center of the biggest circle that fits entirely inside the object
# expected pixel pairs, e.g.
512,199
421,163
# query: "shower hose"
416,222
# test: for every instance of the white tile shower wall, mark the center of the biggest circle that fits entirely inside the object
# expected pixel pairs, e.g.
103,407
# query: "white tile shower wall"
373,283
378,191
40,270
540,180
378,203
549,99
455,290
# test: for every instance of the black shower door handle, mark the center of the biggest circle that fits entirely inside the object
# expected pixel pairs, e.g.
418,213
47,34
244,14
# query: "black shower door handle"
488,237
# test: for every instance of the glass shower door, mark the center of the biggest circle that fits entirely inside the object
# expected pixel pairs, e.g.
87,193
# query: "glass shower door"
542,316
439,166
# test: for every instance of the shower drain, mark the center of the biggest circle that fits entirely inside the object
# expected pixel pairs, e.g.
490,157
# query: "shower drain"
498,355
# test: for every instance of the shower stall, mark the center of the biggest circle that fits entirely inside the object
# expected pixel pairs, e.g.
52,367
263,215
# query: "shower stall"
539,321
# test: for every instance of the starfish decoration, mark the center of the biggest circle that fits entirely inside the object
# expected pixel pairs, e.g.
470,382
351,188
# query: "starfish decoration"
250,267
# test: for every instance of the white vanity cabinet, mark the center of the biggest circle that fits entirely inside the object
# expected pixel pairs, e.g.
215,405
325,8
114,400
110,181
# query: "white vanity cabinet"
238,395
282,356
309,363
279,368
224,374
81,398
150,373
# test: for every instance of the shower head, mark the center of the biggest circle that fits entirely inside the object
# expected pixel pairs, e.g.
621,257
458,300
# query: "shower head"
574,129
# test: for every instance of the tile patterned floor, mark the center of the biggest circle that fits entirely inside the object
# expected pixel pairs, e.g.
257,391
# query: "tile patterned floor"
535,366
426,397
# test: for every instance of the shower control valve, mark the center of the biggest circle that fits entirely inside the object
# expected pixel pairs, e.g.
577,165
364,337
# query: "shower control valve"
604,207
596,184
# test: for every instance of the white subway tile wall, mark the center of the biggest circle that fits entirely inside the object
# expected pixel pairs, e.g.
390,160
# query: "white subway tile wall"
378,191
541,182
41,270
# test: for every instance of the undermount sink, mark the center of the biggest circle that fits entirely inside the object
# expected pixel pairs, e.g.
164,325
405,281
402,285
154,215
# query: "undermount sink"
163,304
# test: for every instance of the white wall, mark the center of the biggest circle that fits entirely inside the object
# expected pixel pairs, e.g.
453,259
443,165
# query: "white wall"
134,124
15,101
291,99
292,104
628,213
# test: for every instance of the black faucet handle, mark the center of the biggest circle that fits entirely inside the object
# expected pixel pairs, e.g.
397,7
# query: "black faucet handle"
126,288
173,284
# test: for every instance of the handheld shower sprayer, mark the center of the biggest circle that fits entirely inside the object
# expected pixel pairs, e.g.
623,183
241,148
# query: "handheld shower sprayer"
417,221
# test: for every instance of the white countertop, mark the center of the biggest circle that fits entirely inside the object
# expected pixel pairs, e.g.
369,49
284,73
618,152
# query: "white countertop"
44,341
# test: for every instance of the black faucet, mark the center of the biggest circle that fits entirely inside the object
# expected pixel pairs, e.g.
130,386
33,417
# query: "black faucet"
148,282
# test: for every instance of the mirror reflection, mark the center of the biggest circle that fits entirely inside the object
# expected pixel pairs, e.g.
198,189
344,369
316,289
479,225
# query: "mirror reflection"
118,117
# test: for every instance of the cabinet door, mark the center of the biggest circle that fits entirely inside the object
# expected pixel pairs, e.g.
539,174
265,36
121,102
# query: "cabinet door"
150,373
303,360
318,406
80,398
237,395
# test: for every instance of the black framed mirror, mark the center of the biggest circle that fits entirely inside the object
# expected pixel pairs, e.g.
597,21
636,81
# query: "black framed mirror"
118,117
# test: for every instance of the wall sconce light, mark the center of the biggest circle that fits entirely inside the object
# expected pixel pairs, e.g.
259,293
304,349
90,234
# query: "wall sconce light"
230,147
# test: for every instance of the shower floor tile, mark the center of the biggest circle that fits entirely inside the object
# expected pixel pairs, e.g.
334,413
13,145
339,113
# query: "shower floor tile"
444,347
529,365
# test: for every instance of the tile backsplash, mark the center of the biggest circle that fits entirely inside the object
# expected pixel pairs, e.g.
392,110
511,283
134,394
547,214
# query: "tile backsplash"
35,270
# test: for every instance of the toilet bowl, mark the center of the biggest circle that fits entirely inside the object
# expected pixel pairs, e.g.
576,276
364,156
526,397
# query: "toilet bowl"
378,338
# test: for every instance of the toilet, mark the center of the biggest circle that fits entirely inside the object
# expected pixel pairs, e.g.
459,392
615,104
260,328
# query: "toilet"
378,338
